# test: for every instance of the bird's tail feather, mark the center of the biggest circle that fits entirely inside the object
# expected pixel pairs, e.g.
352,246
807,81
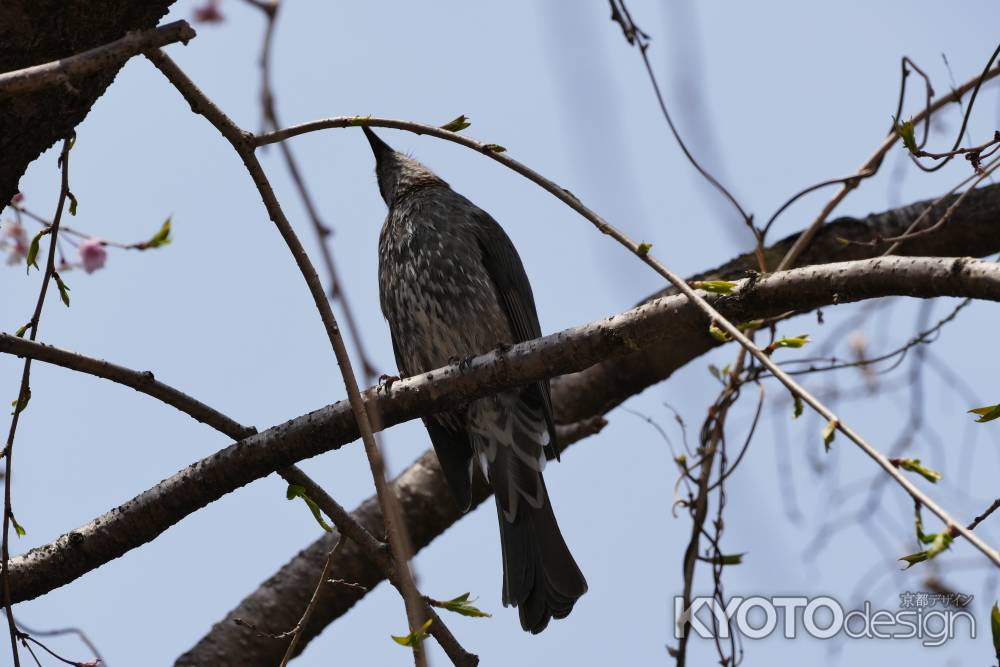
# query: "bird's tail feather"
540,577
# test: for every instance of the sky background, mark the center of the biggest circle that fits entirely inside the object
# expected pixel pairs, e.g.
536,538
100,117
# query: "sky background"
772,96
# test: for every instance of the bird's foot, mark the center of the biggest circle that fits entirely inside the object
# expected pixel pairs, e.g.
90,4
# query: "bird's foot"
385,382
462,362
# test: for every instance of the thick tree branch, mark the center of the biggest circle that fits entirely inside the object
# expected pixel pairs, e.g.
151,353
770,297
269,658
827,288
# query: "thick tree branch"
972,232
33,32
662,323
58,72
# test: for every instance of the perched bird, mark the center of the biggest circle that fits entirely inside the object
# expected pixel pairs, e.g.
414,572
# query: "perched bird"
452,285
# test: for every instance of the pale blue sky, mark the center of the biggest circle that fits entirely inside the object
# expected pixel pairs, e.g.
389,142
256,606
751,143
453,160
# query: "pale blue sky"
791,93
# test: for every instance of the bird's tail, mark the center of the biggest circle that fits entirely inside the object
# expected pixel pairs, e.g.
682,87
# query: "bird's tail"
540,577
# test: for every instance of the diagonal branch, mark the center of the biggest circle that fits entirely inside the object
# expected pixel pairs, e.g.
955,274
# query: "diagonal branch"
657,325
242,143
641,251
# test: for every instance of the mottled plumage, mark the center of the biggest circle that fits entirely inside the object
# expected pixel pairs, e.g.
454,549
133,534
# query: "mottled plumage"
452,285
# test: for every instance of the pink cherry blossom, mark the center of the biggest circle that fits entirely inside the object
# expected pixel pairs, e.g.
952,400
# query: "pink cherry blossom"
208,13
93,255
18,242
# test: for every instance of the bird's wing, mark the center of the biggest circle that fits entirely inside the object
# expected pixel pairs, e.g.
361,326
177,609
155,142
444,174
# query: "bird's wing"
504,267
451,444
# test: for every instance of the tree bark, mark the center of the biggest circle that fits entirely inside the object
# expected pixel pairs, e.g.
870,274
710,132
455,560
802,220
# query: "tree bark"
33,32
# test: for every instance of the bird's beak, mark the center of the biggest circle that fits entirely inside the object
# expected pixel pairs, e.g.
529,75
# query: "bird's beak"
379,147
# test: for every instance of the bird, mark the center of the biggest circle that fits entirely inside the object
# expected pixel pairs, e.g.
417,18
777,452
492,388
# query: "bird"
452,285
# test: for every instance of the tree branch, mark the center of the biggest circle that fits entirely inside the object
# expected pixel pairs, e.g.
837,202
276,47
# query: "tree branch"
242,143
33,32
662,324
144,382
641,251
58,72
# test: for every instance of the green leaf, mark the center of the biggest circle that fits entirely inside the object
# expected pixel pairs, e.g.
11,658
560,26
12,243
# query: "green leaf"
842,241
358,121
298,491
797,407
461,605
995,629
32,256
987,413
644,249
413,638
18,528
718,334
752,325
20,332
72,203
792,342
496,148
828,432
457,125
731,559
161,238
914,465
906,133
940,543
714,286
20,405
716,373
63,289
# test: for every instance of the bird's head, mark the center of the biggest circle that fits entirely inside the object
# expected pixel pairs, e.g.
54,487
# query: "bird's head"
398,174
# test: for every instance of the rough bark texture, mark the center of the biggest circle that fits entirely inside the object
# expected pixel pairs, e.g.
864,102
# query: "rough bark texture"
38,31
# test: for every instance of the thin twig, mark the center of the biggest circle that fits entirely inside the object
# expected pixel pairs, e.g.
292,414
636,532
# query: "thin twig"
635,36
296,632
24,394
871,165
323,231
948,155
58,632
242,142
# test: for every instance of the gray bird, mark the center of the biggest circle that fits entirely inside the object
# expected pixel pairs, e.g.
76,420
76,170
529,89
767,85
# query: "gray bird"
452,285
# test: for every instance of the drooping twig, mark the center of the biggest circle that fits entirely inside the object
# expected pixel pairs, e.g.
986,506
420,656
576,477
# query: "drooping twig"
636,37
67,631
24,393
270,121
872,164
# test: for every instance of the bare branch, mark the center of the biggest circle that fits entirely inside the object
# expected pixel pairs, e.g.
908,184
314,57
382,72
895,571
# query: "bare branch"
416,608
24,393
659,324
641,251
58,72
872,164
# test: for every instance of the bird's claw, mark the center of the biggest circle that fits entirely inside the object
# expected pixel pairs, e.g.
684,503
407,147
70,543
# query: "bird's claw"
385,381
462,362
